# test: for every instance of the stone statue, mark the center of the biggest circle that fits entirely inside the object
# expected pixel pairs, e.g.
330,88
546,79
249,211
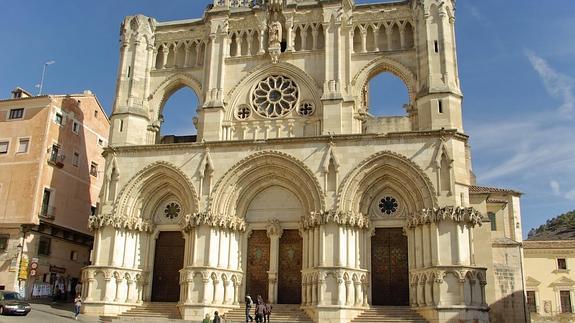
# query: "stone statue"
275,34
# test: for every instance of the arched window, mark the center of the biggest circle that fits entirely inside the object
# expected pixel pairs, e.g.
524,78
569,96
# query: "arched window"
177,117
386,95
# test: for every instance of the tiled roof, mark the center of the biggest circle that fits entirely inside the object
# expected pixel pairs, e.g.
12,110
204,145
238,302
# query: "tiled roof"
485,189
549,244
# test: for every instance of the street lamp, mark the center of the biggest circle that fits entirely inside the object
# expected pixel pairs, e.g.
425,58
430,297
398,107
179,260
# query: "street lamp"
44,73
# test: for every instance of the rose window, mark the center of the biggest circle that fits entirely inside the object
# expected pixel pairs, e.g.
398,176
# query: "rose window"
243,112
388,205
172,210
275,96
306,109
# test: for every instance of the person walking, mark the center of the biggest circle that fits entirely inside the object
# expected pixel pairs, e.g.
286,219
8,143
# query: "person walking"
249,304
268,313
77,306
260,310
216,318
206,319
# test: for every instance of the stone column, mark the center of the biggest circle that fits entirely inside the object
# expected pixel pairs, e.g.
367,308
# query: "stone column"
206,282
348,300
274,233
340,290
236,293
314,287
165,53
107,281
289,34
118,283
357,285
89,289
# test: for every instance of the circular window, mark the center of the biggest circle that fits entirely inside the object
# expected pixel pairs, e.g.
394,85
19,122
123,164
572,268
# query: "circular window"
306,109
172,210
275,96
388,205
243,112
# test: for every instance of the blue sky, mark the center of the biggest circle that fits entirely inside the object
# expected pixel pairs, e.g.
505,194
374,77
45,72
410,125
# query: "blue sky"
516,61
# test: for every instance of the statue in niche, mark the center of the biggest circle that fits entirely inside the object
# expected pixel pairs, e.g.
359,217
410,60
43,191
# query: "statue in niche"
275,33
275,38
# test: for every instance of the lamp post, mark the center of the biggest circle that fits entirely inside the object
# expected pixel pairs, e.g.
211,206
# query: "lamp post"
43,74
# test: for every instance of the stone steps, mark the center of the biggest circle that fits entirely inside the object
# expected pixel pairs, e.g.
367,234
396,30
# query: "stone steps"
157,311
388,314
280,313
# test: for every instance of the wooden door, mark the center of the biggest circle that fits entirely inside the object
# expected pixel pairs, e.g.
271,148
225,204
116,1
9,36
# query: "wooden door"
258,264
168,260
389,268
289,267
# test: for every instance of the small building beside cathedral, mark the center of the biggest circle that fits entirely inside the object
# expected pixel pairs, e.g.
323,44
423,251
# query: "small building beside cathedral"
50,175
293,188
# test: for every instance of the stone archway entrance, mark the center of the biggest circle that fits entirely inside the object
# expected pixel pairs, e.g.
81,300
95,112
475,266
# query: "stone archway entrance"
289,267
258,264
389,268
168,260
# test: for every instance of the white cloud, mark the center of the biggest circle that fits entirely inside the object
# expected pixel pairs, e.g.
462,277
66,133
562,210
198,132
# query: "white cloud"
537,146
558,85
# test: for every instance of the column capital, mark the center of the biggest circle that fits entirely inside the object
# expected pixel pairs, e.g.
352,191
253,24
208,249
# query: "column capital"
274,229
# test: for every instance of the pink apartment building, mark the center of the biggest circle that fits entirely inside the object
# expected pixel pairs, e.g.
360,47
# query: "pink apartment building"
51,168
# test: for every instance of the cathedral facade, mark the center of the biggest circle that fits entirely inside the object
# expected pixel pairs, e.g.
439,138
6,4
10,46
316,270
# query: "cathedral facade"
293,189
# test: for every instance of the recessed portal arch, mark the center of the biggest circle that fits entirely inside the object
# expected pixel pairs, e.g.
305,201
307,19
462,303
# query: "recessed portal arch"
237,188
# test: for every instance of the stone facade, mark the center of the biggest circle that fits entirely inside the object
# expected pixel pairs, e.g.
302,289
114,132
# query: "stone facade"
49,185
286,143
550,284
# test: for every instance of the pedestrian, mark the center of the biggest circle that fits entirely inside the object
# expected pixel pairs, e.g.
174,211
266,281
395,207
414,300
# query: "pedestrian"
268,313
206,319
77,306
249,304
216,318
260,310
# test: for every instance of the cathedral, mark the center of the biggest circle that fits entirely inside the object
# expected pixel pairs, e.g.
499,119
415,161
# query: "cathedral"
293,188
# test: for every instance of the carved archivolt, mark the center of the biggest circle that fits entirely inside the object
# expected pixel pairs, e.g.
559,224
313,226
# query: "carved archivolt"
341,218
235,189
156,182
381,170
465,215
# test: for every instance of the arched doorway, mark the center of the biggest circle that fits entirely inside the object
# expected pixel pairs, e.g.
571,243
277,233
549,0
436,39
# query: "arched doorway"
389,267
278,249
168,261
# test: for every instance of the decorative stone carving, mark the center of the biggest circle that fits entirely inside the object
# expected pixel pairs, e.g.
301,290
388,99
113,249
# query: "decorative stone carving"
215,220
466,215
275,96
123,222
341,218
137,27
274,229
